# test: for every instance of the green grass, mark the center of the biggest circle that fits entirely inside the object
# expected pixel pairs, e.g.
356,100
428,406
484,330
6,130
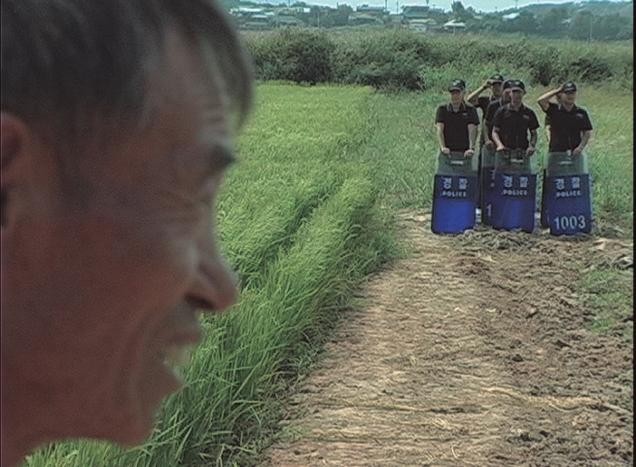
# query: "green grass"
305,215
608,296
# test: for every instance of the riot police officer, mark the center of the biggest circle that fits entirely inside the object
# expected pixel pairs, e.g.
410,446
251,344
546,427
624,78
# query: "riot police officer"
514,122
570,125
457,122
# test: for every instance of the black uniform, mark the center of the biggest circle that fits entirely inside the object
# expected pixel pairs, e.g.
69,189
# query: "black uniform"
490,115
566,126
514,125
483,103
456,125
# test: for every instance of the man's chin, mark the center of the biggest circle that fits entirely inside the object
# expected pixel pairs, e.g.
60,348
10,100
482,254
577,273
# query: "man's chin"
132,438
130,434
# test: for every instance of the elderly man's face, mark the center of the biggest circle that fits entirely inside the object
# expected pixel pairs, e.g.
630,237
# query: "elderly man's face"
100,292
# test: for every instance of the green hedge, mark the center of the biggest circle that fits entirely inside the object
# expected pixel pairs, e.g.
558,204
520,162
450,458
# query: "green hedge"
402,59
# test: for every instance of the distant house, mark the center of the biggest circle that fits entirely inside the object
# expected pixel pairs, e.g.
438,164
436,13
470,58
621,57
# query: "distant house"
415,12
258,21
293,11
371,10
245,11
395,20
510,16
454,26
253,18
422,25
363,19
287,21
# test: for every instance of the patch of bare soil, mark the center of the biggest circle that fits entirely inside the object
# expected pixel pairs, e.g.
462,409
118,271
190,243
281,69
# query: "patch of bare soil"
471,351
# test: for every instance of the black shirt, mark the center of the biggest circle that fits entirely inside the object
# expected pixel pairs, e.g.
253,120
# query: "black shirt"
456,125
482,103
566,126
490,114
514,125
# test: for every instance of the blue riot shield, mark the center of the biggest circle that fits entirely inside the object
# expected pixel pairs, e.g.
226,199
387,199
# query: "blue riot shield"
514,193
454,194
567,191
544,206
487,184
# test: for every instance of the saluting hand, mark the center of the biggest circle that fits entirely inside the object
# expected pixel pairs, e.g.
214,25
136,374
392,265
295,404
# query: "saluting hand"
469,153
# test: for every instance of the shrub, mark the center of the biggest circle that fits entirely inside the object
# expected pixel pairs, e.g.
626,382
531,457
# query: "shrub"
591,69
294,55
401,59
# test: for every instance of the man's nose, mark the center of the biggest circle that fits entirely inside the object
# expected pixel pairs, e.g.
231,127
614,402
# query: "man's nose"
215,285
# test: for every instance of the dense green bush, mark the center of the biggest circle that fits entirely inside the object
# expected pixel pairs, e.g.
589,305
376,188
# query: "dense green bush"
298,55
401,59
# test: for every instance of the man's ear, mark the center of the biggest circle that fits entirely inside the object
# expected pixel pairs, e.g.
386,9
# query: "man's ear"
13,135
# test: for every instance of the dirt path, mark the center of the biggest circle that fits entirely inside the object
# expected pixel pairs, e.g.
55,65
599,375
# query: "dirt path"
472,351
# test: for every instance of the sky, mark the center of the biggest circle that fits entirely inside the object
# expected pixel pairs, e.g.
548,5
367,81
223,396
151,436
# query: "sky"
479,5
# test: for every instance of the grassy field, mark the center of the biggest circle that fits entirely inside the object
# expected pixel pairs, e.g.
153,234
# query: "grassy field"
304,217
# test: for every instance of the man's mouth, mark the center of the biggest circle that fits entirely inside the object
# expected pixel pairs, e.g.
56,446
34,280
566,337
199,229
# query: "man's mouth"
175,357
179,342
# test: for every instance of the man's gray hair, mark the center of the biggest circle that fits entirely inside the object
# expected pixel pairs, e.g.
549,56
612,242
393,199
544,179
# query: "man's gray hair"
67,63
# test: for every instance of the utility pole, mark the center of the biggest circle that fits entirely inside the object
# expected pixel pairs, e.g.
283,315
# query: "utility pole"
397,7
591,21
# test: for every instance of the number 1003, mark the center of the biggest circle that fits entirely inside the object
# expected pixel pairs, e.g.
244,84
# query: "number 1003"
569,222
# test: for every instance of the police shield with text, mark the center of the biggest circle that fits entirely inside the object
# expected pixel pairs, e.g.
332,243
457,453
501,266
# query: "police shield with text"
567,205
515,136
455,185
494,83
487,155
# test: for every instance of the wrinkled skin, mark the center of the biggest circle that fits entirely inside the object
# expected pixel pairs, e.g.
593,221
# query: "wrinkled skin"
94,289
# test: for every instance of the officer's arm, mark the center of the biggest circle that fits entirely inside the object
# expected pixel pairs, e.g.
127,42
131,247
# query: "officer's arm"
533,138
440,135
547,133
585,138
473,97
544,100
495,137
472,135
484,131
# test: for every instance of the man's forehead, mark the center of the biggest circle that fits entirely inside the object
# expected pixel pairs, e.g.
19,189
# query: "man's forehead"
189,65
185,79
